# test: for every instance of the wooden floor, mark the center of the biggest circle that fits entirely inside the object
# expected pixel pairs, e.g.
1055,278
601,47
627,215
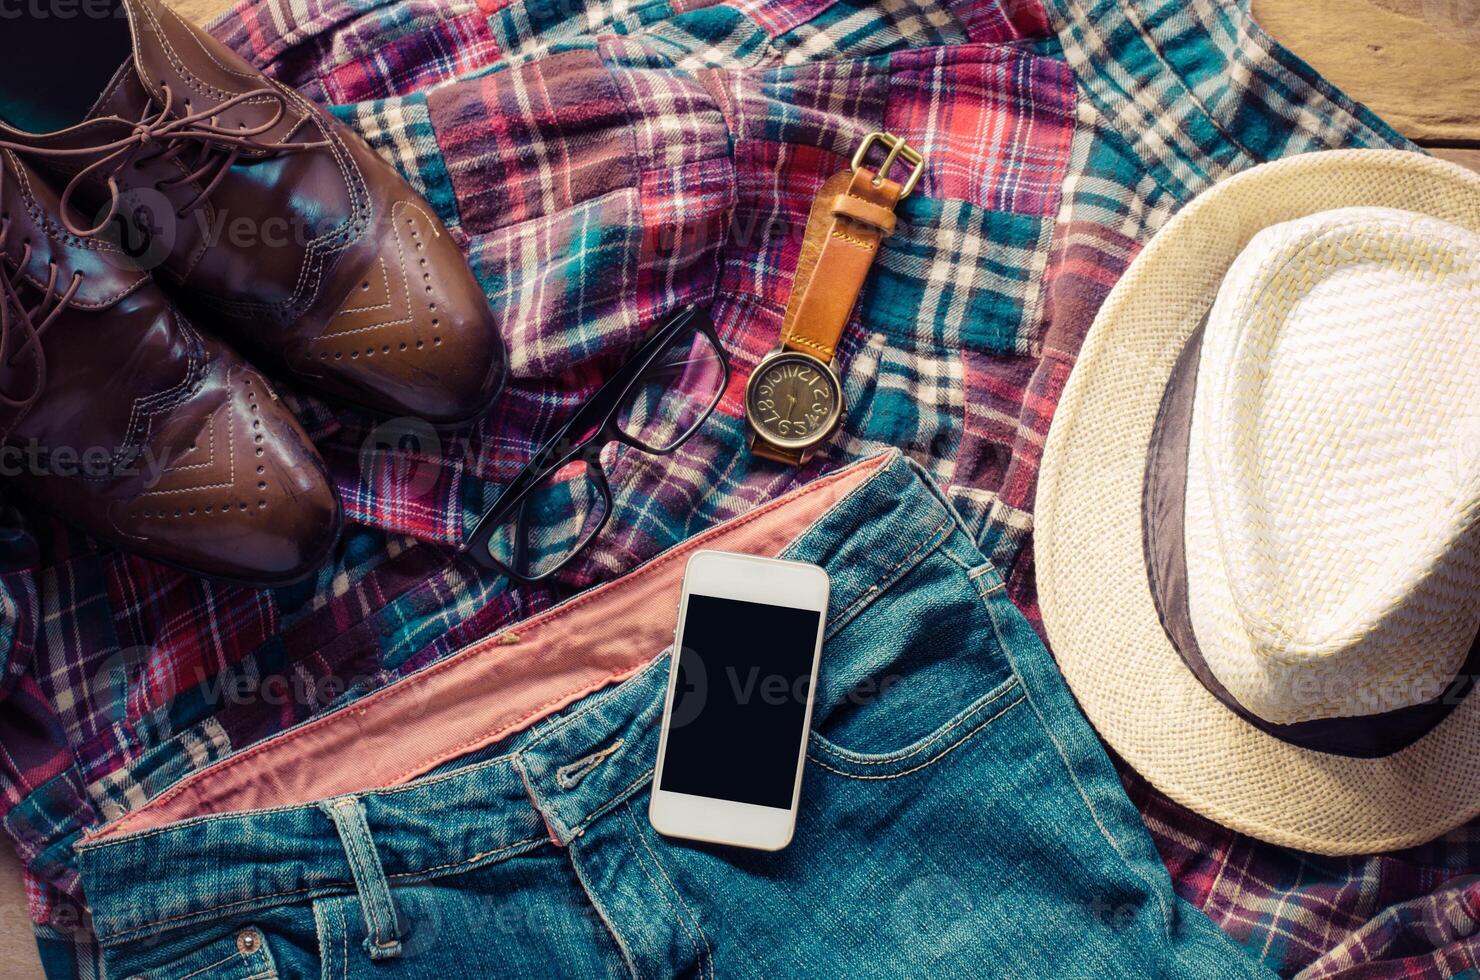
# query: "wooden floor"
201,10
1415,62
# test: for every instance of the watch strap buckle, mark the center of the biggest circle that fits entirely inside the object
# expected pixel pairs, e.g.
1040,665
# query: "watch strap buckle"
898,150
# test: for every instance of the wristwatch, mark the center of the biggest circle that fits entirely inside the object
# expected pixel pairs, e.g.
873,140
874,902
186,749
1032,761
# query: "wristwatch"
794,399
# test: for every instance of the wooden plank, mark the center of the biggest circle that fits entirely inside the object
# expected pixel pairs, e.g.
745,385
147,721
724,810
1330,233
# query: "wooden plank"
200,10
18,957
1469,158
1414,62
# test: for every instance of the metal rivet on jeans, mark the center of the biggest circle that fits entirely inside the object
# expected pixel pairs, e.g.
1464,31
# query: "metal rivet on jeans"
246,942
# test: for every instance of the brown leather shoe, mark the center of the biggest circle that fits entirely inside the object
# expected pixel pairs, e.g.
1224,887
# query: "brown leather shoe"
117,416
305,246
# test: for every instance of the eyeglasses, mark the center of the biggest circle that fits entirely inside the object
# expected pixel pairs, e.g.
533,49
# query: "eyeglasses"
561,500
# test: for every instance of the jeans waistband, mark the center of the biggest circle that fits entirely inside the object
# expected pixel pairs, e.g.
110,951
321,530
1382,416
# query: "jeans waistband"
267,812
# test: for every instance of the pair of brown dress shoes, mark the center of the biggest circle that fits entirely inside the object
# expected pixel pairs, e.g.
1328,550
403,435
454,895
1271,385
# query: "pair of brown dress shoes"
152,173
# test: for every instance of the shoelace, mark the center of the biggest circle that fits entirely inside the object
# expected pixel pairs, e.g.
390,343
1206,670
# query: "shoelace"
219,149
15,314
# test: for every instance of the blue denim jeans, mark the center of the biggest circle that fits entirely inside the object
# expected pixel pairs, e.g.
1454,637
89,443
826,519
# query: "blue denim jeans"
958,816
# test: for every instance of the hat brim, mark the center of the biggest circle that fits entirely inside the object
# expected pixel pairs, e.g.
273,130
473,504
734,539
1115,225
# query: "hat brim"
1097,606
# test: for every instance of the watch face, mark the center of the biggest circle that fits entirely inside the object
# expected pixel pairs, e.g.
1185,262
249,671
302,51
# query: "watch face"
793,400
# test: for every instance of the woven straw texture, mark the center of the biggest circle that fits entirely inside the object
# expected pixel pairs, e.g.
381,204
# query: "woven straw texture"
1333,557
1097,607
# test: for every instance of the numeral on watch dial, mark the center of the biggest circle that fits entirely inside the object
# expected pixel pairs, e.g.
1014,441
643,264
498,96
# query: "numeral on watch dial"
792,400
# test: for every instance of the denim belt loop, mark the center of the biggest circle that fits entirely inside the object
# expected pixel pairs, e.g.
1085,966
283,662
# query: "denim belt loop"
381,920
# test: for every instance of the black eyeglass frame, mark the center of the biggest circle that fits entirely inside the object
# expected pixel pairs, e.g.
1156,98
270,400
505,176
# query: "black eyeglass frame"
598,417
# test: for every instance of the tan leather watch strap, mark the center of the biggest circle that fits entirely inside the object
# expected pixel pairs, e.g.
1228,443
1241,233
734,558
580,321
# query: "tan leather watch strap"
851,215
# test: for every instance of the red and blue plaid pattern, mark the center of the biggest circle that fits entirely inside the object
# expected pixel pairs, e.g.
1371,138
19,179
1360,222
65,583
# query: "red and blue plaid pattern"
604,162
1409,914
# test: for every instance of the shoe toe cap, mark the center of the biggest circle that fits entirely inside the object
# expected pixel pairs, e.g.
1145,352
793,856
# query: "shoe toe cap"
414,335
245,499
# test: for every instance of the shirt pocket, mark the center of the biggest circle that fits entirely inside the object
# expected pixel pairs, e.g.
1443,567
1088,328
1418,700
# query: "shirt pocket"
901,395
959,276
944,363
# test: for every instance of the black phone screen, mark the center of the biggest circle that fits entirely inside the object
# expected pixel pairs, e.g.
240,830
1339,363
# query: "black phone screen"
740,707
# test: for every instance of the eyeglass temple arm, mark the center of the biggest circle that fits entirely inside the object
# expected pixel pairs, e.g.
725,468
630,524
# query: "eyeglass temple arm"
592,418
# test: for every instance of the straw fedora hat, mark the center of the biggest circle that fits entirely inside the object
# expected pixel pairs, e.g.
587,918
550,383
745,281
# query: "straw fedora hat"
1258,529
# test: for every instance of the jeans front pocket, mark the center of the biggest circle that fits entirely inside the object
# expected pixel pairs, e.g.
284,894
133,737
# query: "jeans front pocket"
910,678
243,955
927,751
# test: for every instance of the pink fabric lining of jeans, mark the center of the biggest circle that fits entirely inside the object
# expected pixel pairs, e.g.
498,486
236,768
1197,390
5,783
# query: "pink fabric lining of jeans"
489,690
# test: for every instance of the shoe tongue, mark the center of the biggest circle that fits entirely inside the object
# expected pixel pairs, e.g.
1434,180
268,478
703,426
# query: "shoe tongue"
160,67
124,98
181,66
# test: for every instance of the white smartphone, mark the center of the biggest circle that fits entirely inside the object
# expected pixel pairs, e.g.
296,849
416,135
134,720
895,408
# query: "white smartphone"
739,703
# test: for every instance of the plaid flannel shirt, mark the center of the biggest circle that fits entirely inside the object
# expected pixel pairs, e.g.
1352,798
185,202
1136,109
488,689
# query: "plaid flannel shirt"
603,162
